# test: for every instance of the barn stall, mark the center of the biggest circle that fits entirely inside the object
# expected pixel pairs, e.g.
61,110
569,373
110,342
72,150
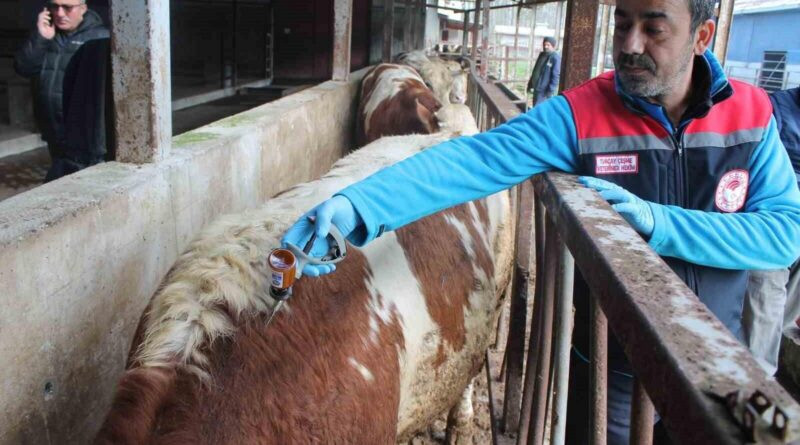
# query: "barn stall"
82,256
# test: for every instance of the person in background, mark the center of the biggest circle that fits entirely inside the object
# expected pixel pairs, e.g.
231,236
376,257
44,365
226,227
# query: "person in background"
690,159
772,302
67,57
546,74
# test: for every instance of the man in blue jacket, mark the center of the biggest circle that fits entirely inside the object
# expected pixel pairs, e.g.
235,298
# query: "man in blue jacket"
690,159
546,73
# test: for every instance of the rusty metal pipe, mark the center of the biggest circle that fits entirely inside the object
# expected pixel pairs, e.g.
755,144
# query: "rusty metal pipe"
599,374
563,345
536,323
541,390
515,345
642,415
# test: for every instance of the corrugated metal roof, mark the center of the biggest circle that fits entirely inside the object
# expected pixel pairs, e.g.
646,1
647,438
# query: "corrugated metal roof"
753,6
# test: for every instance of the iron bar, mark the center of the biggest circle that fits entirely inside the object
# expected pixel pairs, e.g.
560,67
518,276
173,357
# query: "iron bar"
602,44
475,28
408,26
579,39
642,415
513,5
536,323
487,30
564,321
515,346
388,30
235,44
539,407
686,359
465,35
599,374
516,42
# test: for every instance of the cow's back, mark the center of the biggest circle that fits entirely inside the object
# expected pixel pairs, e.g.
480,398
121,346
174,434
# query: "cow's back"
387,341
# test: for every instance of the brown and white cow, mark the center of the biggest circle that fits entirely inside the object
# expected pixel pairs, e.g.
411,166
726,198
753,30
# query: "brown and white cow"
394,101
367,355
447,78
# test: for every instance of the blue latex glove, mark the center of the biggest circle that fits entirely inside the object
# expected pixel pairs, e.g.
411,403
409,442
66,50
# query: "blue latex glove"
634,209
337,210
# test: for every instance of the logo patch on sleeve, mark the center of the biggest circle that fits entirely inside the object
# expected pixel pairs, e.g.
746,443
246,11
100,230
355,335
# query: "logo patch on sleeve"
616,164
731,191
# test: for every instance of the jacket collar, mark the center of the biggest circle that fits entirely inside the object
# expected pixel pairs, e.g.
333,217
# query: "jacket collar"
710,87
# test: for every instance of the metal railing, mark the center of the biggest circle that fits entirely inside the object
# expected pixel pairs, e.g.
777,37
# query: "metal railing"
703,383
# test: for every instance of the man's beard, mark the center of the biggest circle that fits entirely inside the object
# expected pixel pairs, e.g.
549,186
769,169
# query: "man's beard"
646,86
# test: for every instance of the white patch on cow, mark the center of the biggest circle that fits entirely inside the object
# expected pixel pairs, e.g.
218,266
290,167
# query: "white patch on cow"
386,87
483,232
463,232
394,280
363,370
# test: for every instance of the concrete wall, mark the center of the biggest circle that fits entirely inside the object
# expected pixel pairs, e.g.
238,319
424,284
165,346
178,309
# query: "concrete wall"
80,257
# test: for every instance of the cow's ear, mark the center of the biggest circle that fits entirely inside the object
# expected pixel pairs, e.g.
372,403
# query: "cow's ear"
429,102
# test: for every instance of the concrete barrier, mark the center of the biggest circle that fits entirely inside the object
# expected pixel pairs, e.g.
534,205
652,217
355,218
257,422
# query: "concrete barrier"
80,257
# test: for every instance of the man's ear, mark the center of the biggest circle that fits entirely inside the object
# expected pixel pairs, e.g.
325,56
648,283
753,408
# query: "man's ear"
703,36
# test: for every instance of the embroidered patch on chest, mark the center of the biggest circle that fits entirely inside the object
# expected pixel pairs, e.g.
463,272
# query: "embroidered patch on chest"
731,191
616,164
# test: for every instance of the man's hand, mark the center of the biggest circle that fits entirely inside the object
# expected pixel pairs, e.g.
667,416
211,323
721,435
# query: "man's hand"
45,25
337,210
634,209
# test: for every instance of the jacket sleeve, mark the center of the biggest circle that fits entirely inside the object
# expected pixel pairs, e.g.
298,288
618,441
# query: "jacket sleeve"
765,236
29,59
555,74
466,168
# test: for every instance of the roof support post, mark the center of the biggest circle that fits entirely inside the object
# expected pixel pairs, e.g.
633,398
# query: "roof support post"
475,29
388,29
723,30
485,39
579,40
140,60
408,26
465,34
342,34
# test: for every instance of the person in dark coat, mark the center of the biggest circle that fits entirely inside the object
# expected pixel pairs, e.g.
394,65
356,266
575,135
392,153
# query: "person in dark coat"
543,83
67,58
772,302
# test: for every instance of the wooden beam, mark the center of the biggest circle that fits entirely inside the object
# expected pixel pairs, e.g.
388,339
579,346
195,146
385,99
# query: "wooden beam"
724,22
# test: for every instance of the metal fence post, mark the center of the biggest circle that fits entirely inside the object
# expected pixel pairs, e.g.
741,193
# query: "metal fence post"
563,346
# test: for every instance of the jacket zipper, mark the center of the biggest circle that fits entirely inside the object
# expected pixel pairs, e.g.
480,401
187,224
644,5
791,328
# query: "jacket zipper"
682,183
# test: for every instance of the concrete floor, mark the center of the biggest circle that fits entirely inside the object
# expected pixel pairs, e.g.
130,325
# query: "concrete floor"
21,172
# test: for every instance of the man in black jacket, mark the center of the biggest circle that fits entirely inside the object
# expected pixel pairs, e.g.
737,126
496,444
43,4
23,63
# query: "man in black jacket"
543,83
67,59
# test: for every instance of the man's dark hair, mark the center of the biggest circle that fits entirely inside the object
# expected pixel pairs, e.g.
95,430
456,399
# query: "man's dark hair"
701,11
